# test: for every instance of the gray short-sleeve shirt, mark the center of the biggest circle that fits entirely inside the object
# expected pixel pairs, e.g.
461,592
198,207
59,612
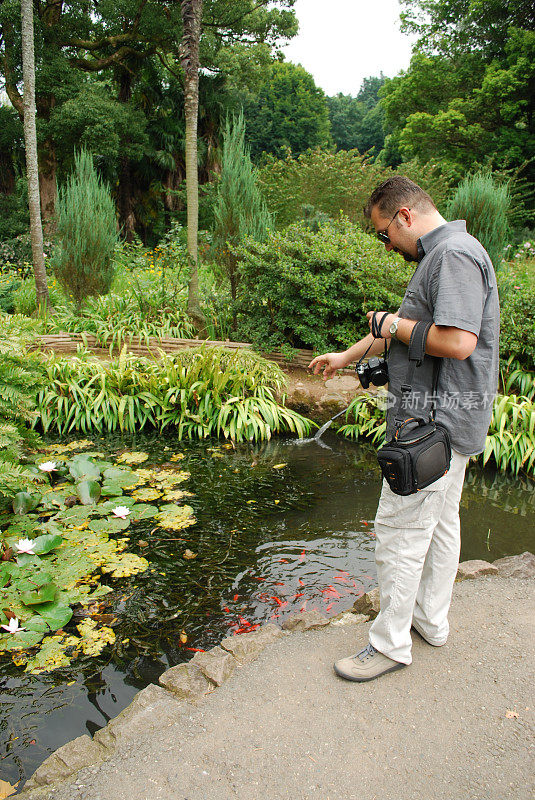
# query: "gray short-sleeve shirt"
453,285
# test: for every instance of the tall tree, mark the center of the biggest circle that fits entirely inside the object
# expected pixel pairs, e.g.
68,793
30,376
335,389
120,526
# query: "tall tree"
191,20
30,139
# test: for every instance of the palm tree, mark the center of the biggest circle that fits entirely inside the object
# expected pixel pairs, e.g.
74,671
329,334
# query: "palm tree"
191,11
32,170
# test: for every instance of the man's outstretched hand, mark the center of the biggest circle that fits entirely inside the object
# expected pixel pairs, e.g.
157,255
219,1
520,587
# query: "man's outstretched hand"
330,363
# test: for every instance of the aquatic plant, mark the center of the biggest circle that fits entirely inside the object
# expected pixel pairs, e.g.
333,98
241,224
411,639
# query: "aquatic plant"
205,391
56,546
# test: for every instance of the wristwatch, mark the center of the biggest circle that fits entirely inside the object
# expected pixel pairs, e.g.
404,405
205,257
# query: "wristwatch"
393,329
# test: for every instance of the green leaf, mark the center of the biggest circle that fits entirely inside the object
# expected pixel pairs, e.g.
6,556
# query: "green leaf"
88,492
24,502
44,594
123,477
20,641
111,489
143,511
54,616
85,470
44,544
109,525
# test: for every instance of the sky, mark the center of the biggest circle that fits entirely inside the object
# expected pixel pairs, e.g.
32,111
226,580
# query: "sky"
340,42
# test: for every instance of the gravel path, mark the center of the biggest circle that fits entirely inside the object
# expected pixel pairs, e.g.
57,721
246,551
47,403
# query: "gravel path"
455,725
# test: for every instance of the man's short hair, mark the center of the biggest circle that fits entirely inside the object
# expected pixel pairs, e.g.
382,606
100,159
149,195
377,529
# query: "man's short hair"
397,192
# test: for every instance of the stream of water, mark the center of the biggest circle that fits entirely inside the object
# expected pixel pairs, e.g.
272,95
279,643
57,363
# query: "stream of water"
280,527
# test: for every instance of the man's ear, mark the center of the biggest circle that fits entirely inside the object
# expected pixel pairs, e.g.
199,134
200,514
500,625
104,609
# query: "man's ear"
406,215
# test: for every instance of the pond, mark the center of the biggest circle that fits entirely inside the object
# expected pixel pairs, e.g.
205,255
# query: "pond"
280,527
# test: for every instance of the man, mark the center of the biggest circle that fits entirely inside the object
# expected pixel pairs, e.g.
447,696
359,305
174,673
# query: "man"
418,536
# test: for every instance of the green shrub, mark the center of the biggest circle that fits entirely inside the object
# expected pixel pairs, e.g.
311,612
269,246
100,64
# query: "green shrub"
87,233
312,290
516,285
485,205
200,392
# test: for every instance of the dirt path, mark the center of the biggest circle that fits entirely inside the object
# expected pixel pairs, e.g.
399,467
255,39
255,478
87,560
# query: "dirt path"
455,725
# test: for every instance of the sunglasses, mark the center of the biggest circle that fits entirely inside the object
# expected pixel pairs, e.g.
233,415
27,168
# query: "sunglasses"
383,235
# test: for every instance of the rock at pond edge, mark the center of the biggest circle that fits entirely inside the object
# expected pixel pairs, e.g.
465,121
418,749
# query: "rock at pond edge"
475,569
522,566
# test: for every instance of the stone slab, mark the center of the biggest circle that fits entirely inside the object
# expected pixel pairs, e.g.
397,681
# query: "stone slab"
368,604
305,621
216,664
186,681
475,569
66,760
247,646
522,566
151,709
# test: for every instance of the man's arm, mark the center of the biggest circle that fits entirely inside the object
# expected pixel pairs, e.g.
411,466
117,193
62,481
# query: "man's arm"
442,341
331,362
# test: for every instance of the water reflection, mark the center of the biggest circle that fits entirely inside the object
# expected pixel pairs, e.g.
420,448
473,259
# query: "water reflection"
281,527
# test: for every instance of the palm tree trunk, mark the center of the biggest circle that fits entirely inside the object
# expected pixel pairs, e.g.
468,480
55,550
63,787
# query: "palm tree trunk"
32,170
191,11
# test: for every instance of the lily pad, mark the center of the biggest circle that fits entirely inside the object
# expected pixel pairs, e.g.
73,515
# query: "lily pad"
134,457
23,502
47,543
175,518
20,641
83,470
44,594
88,492
123,477
142,511
109,525
146,493
111,489
53,615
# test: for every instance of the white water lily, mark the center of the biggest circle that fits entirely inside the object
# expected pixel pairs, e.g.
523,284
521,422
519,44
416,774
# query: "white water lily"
12,626
48,466
25,546
121,511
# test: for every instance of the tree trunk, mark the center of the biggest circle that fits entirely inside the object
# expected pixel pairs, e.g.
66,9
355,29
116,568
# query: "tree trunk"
191,11
125,190
47,186
30,140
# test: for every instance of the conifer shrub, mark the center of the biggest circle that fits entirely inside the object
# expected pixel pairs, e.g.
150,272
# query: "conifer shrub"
239,209
87,233
485,205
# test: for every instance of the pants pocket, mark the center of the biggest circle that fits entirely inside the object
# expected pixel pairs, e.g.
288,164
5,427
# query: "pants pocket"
419,510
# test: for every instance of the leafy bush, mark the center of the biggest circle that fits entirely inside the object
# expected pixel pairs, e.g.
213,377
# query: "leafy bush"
87,232
485,206
201,392
516,285
313,290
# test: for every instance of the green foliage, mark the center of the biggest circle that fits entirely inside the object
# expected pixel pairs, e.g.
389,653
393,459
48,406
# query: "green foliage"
20,379
519,380
24,298
87,231
201,392
485,206
313,290
516,285
289,111
511,437
336,182
239,209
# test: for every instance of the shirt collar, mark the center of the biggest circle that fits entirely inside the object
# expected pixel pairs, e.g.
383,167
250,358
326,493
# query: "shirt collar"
430,240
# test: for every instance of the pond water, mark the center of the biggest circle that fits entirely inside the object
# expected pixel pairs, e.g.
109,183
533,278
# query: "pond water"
280,527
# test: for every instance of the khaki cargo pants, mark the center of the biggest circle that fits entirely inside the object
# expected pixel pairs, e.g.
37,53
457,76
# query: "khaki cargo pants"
418,541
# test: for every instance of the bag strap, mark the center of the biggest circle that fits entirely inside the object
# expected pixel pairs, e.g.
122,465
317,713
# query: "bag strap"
416,356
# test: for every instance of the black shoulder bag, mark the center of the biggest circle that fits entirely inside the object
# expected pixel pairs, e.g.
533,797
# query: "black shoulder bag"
419,453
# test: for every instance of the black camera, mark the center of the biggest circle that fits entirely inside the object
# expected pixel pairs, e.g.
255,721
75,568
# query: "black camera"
375,371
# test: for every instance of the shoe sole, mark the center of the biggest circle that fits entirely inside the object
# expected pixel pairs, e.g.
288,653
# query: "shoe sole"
373,677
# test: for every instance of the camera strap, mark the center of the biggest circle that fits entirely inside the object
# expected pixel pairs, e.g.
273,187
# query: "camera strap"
416,357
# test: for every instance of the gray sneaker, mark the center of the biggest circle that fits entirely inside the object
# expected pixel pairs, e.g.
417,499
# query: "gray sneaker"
366,665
